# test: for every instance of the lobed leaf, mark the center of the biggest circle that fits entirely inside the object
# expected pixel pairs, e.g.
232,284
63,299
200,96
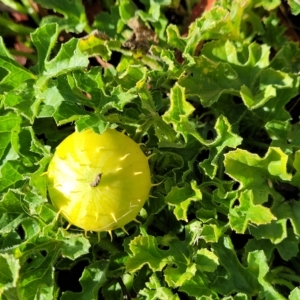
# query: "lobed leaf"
240,216
253,172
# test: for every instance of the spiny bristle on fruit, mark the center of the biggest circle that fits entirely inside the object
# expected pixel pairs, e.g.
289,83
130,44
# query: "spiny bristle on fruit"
151,155
137,173
151,196
57,185
69,225
58,214
123,228
156,184
99,148
123,157
96,216
135,220
114,217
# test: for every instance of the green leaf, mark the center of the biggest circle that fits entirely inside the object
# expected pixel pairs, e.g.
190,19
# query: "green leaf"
109,23
145,251
296,164
253,172
118,99
274,33
155,15
60,105
22,100
287,59
154,7
38,180
179,111
228,73
295,294
206,260
244,72
175,277
289,210
74,245
265,245
225,138
247,212
168,58
286,87
211,233
295,7
214,24
9,274
37,275
68,58
174,38
10,203
73,11
206,214
94,121
279,133
44,39
197,285
133,76
167,163
9,124
288,248
12,75
95,44
181,199
10,173
268,5
209,80
275,231
154,290
90,81
259,266
93,278
9,222
239,278
127,10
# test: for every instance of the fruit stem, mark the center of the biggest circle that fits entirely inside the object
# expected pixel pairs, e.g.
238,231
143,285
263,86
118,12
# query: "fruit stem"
97,180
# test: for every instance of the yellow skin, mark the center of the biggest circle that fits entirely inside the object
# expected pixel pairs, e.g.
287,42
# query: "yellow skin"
99,182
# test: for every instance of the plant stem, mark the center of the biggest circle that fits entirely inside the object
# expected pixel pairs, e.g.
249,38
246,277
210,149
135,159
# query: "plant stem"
16,28
30,10
123,287
283,282
259,144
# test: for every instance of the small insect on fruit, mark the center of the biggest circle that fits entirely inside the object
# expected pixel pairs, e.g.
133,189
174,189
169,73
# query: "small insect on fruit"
99,182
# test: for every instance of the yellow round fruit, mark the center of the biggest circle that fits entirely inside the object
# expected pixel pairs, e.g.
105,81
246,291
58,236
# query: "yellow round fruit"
99,182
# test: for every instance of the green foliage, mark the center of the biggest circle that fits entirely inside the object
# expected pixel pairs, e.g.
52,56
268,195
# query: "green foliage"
214,101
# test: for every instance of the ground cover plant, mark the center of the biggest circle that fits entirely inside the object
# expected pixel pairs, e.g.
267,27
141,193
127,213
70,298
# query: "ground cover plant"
213,98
